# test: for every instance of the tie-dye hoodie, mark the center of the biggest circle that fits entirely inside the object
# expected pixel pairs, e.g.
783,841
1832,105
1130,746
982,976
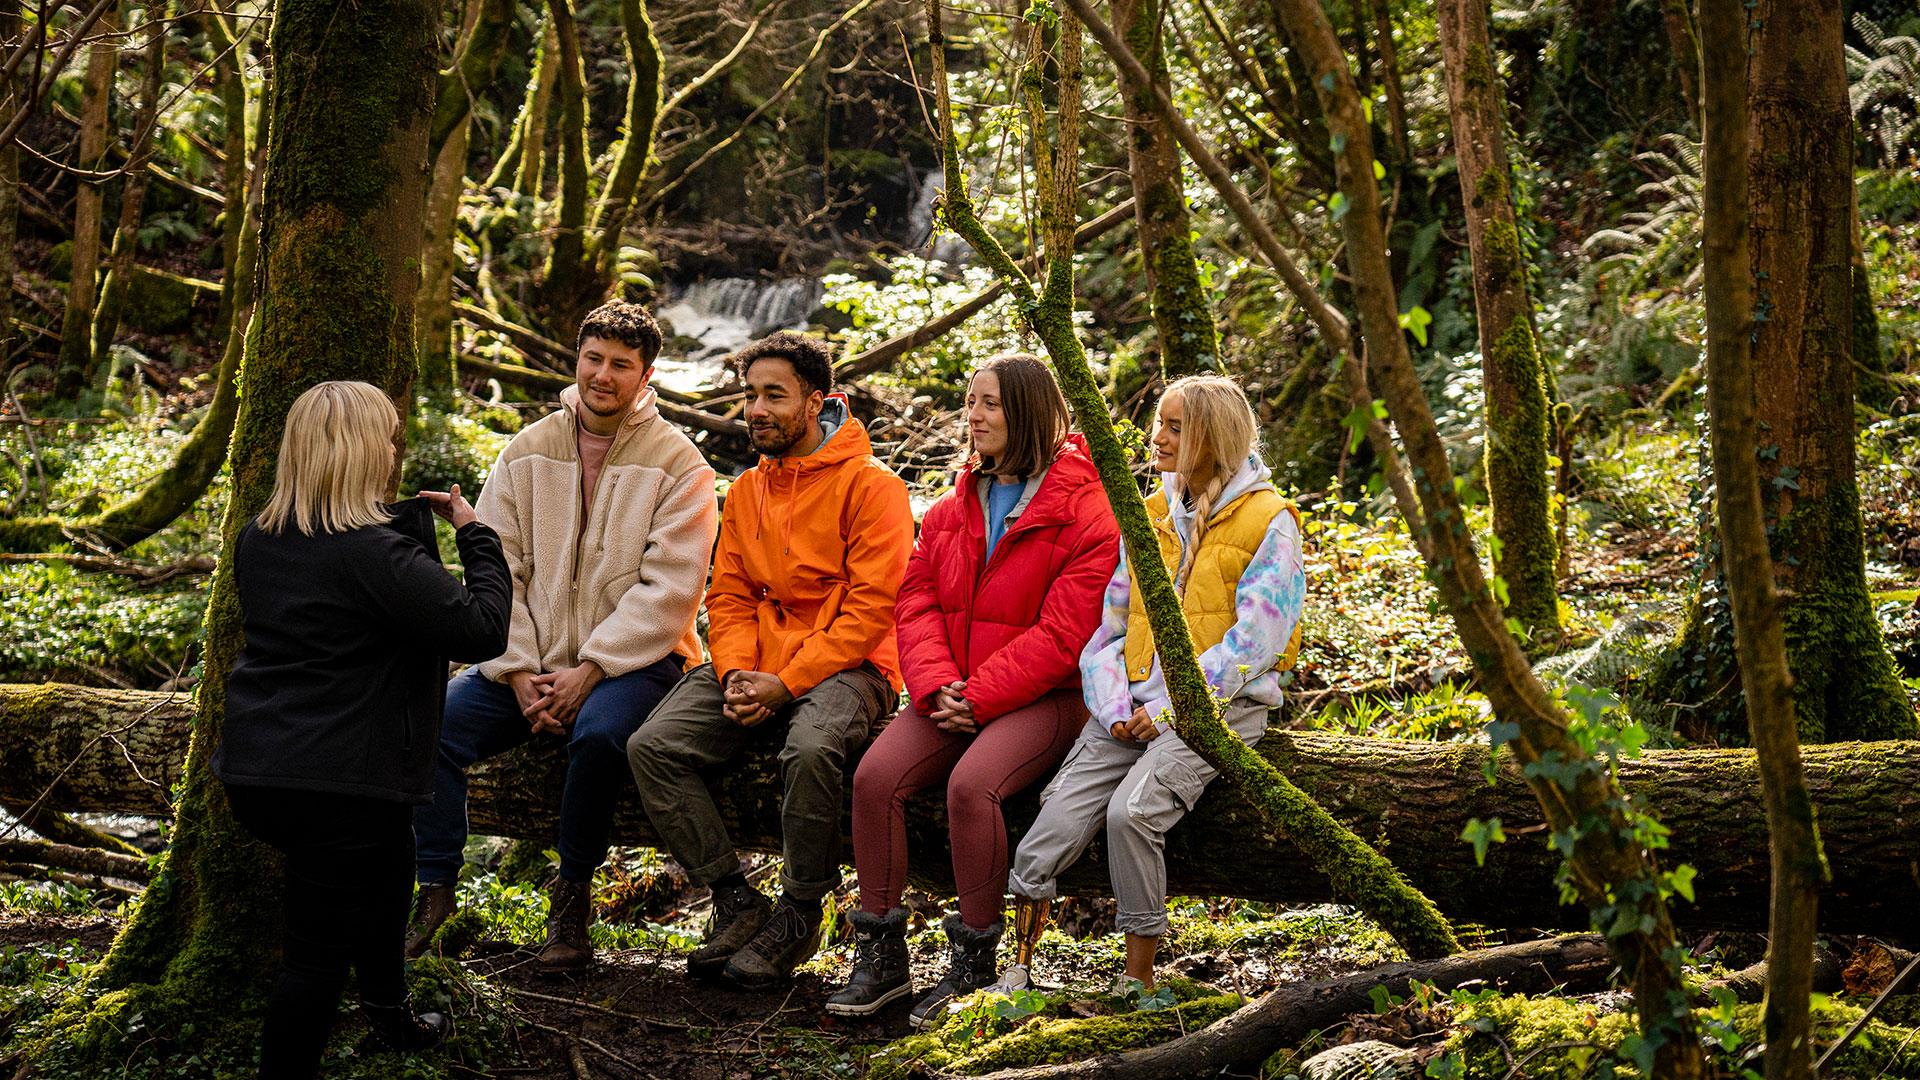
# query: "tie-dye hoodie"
1267,605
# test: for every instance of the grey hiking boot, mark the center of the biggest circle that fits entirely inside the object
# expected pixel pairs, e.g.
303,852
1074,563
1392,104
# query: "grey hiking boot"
789,937
972,968
879,965
567,950
738,914
433,905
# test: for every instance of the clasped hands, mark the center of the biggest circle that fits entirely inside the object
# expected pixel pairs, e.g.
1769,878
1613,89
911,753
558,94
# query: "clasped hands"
952,711
752,696
1136,728
551,701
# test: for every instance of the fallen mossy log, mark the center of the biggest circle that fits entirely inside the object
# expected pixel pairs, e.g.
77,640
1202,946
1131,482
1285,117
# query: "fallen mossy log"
1291,1013
80,749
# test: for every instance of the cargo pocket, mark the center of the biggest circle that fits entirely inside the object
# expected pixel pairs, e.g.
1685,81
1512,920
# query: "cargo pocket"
1165,795
1078,751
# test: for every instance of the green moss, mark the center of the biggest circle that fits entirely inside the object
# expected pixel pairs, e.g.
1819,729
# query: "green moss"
158,302
1051,1036
1518,483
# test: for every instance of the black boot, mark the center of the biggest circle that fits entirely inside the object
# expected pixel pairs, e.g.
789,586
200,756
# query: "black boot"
879,965
971,969
398,1029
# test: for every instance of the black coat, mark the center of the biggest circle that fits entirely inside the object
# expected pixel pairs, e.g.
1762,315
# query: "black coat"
343,677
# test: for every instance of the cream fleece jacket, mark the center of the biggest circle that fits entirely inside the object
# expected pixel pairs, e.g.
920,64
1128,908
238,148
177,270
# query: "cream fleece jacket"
623,589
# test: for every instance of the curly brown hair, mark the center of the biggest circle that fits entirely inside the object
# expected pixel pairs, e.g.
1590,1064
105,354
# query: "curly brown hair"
627,323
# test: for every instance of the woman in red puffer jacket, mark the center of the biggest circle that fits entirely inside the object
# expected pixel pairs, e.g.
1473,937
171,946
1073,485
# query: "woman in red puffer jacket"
1002,592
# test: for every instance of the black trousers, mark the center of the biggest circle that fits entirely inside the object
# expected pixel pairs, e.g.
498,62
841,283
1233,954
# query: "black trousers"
349,885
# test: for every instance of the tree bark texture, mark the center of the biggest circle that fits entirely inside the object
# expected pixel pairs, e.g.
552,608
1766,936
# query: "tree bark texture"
1358,872
340,243
1519,426
119,751
1182,310
10,102
1609,869
142,133
562,302
1292,1013
230,79
1800,225
433,309
646,68
76,325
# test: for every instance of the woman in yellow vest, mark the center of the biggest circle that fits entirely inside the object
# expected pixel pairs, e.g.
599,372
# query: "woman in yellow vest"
1232,544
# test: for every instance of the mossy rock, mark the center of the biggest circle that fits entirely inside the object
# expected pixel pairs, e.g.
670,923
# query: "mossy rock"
159,302
1050,1037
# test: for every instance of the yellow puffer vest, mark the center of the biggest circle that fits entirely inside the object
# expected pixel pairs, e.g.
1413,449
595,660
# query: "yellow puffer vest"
1233,536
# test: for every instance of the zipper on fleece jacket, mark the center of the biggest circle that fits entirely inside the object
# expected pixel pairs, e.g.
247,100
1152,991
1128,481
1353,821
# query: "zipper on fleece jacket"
585,517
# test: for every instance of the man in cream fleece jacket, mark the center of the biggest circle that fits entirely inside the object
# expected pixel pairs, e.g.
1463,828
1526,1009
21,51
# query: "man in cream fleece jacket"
607,514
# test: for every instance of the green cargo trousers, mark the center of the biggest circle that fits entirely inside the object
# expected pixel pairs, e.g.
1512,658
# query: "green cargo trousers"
687,735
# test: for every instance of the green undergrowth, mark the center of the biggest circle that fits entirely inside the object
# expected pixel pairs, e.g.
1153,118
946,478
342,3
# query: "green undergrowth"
1330,935
987,1032
1554,1038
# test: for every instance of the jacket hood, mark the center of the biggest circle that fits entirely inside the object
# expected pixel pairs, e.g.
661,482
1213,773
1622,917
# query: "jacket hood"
846,440
645,407
1253,475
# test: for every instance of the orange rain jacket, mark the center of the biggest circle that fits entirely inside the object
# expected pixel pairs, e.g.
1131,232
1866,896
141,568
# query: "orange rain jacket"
811,553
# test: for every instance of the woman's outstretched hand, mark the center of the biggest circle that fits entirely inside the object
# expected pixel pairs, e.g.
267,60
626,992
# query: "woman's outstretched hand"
450,505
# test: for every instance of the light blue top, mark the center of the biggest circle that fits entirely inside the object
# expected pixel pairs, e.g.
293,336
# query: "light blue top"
1002,497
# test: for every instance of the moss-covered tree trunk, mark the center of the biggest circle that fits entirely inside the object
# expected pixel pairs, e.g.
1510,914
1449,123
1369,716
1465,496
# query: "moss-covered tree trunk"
1359,874
564,279
9,184
340,243
1182,310
1797,865
143,134
633,155
1519,426
1800,221
76,324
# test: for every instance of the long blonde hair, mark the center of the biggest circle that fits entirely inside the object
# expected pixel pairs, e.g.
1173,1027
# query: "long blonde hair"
1217,429
336,457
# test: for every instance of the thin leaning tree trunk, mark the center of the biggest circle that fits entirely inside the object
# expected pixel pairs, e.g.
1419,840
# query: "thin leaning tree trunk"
133,200
1611,872
1358,872
76,325
1798,866
1519,427
561,280
10,102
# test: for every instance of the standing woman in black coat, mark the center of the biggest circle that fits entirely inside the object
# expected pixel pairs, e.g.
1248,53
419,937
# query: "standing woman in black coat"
333,707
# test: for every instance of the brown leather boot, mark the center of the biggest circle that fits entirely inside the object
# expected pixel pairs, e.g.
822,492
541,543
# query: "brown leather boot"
433,905
567,950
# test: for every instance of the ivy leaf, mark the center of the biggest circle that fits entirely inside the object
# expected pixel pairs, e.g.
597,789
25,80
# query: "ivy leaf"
1415,322
1338,206
1481,834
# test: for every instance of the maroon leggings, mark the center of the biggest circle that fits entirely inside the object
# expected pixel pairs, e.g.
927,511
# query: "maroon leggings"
1008,754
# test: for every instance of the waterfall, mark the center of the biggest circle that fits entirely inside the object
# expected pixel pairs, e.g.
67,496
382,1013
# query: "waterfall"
722,314
948,248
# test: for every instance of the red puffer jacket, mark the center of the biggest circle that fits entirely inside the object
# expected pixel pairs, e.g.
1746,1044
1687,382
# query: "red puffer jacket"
1012,628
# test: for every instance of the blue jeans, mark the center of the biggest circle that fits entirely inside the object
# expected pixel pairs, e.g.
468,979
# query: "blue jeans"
483,720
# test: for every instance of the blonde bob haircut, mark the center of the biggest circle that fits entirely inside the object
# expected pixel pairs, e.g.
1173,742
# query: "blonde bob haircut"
336,457
1217,429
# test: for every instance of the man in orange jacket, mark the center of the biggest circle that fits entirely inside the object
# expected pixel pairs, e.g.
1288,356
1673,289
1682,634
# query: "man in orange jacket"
813,544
